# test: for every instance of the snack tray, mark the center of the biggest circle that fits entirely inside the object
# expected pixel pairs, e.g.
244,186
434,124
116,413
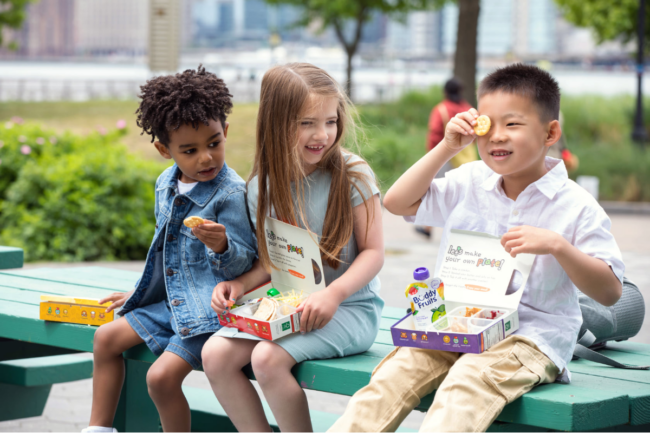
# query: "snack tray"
455,332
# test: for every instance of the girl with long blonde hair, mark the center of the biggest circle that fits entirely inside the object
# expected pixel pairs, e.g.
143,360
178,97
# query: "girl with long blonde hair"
303,176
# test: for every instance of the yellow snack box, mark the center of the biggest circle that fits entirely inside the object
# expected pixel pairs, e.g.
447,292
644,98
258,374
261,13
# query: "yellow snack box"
74,310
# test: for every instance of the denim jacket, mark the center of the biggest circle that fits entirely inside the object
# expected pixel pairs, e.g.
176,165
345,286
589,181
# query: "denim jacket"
179,267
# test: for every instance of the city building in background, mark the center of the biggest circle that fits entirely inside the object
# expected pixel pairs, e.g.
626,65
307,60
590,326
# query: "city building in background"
119,29
48,30
110,27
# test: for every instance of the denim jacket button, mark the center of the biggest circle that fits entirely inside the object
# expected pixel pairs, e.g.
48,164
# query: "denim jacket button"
176,302
156,225
178,201
185,331
170,272
170,238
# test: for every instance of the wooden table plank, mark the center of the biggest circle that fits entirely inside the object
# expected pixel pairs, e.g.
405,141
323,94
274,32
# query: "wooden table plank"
54,288
594,402
71,278
20,322
97,275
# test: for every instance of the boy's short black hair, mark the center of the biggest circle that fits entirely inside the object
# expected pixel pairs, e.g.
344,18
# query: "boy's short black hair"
188,98
528,81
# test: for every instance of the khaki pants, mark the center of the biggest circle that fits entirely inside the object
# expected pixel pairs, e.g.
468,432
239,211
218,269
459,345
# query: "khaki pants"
472,389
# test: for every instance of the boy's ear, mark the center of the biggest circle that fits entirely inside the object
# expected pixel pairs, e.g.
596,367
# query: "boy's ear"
163,150
553,134
225,130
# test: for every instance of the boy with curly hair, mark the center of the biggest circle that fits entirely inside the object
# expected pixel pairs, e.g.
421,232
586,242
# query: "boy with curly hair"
169,309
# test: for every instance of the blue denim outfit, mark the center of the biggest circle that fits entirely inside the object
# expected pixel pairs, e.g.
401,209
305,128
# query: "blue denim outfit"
180,272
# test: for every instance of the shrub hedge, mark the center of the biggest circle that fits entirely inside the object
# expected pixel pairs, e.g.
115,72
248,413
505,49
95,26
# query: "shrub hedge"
68,197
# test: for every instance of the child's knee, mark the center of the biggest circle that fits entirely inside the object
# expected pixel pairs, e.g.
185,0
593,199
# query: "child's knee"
214,357
267,360
103,342
159,381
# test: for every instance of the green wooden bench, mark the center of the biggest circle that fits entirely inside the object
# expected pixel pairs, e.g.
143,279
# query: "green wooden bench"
25,384
600,397
11,257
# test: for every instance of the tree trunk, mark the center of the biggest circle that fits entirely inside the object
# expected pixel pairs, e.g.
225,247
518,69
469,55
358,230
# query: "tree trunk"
348,82
465,57
350,47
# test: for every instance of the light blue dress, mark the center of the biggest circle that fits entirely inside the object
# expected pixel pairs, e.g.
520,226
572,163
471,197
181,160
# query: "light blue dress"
355,324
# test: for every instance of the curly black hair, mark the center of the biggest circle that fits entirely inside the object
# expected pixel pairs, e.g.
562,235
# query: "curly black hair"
186,98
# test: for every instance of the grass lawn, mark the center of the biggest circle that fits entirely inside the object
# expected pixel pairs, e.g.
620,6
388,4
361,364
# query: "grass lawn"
83,117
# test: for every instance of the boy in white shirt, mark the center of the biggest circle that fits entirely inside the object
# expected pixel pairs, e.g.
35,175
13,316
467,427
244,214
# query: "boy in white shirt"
518,193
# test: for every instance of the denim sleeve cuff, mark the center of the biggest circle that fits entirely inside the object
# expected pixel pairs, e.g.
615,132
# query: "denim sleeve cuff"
222,260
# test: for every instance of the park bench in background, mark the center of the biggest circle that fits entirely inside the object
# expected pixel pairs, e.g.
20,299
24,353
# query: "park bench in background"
599,397
11,258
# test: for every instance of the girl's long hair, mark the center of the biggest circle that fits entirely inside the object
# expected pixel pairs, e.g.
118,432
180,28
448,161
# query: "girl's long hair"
284,97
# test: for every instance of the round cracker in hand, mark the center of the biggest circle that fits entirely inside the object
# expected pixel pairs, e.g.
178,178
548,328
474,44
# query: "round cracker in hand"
483,124
193,221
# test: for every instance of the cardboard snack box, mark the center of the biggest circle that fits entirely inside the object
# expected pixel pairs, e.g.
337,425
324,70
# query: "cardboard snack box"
74,310
295,253
476,272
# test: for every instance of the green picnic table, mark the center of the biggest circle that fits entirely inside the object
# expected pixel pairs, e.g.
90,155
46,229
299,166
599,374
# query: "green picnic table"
599,397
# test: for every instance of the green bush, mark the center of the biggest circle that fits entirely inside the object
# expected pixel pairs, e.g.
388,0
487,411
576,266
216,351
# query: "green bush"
397,133
81,198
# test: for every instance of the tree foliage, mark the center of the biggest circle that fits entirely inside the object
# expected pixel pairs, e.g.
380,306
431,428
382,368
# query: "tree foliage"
336,13
12,15
609,19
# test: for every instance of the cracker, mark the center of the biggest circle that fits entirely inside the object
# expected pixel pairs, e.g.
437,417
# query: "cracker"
483,124
193,221
266,310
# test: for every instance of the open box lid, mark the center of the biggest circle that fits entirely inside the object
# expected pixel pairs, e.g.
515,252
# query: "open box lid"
73,300
476,270
295,252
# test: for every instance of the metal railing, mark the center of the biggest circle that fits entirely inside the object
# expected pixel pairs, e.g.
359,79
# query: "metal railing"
243,91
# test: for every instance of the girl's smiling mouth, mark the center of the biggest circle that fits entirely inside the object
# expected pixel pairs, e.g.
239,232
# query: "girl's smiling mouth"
315,149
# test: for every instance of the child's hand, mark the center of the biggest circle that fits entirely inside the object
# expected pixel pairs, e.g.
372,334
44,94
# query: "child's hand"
530,240
225,294
213,235
460,130
118,299
317,310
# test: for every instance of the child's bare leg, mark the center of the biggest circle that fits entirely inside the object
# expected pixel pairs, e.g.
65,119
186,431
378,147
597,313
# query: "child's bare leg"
108,371
223,360
164,380
272,367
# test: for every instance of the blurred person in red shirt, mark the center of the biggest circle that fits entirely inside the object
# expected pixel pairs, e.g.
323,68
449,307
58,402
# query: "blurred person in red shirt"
452,104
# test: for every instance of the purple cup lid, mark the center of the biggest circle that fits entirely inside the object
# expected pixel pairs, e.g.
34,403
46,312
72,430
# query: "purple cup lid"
421,274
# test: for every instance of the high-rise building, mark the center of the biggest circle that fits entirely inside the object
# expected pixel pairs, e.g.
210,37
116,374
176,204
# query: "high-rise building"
48,30
418,36
519,27
111,26
226,18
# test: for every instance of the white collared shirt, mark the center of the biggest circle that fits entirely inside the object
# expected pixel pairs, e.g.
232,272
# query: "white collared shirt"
472,198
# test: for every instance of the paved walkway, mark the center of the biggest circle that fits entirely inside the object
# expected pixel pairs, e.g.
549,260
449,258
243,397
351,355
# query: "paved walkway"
68,408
